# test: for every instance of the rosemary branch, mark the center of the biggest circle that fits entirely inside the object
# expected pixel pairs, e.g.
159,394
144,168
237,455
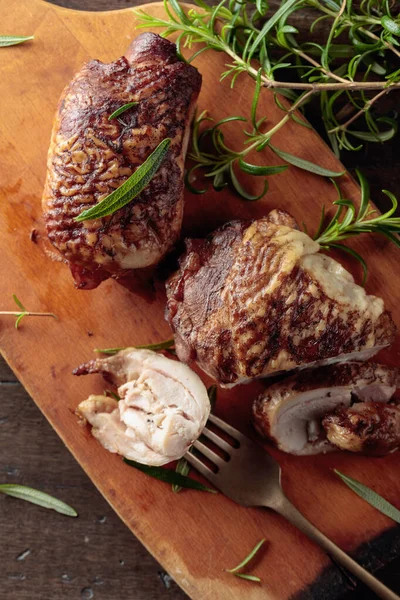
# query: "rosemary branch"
248,35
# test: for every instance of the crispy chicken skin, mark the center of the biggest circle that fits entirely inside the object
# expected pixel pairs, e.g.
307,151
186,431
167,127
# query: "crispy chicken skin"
257,298
342,406
371,428
90,156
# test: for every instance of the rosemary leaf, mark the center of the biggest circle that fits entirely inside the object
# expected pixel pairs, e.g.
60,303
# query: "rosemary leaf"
248,577
390,25
248,558
13,40
240,189
24,313
371,497
110,351
260,170
111,394
135,184
157,346
121,110
19,303
212,395
182,468
305,164
169,476
37,497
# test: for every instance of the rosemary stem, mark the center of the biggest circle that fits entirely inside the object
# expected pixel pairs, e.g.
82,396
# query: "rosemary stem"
364,109
375,37
314,87
28,314
320,67
279,125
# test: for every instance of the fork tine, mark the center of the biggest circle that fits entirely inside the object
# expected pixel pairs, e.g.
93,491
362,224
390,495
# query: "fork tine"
217,440
227,428
208,453
201,467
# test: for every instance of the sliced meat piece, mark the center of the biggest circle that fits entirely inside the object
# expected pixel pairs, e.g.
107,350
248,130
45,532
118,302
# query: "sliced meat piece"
90,156
163,409
257,299
371,428
312,411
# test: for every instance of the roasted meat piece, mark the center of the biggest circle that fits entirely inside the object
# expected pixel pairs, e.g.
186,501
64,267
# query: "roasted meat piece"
367,427
162,410
339,406
90,156
257,299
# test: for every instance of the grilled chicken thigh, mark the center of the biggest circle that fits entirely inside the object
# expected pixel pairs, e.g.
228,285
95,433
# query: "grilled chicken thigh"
342,406
257,298
90,156
368,427
163,408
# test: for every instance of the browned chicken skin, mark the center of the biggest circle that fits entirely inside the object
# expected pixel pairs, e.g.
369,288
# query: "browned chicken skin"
257,298
90,156
343,406
371,428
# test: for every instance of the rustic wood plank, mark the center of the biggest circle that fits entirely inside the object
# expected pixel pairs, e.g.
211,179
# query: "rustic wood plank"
55,29
48,555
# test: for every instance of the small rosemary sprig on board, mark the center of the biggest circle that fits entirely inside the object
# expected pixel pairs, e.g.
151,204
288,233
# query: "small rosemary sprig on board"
370,496
13,40
169,476
37,497
245,562
220,163
348,222
23,312
342,74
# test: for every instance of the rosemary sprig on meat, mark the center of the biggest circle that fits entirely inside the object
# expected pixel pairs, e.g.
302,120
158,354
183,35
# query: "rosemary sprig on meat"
135,184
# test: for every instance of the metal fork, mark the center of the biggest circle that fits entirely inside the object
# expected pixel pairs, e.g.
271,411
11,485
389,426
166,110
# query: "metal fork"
251,477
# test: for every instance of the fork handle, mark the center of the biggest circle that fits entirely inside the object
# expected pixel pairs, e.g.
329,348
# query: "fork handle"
285,508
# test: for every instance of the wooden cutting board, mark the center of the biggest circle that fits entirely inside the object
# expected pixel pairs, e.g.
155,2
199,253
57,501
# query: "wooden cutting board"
193,534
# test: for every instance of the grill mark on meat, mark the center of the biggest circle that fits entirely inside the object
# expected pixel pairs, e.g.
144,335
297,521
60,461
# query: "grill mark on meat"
244,303
90,156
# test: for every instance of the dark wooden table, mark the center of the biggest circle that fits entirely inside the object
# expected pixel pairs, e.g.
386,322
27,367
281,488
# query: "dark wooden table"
45,556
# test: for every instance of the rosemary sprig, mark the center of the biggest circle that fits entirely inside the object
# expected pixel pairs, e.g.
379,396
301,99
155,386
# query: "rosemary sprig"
23,312
245,562
135,184
341,74
37,497
169,476
348,222
221,162
166,344
371,497
121,110
13,40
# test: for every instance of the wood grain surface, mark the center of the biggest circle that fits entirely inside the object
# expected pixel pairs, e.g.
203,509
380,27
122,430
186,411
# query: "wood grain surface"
44,353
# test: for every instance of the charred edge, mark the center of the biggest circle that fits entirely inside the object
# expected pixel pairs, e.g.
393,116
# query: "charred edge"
333,583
